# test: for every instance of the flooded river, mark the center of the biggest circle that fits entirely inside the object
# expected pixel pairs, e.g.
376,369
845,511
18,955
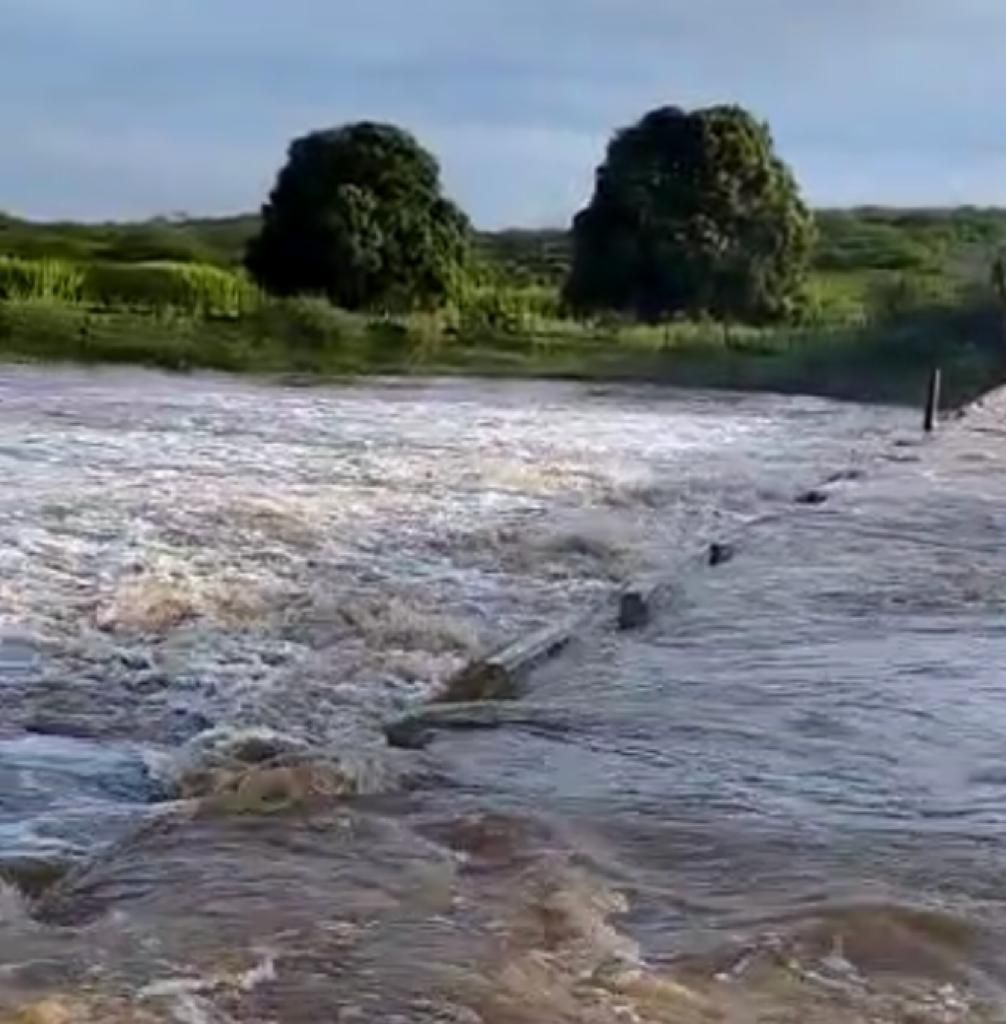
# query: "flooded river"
781,800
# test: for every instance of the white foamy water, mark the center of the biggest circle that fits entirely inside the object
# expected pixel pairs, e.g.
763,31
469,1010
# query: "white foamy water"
273,554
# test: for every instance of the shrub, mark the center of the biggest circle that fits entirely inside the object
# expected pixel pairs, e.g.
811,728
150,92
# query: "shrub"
496,309
357,215
692,213
894,297
835,299
304,322
388,334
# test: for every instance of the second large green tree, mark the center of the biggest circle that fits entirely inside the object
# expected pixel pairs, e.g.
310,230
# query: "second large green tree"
357,215
693,213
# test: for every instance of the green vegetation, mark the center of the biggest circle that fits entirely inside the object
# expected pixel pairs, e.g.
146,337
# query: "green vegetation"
191,288
357,215
54,280
889,293
186,287
309,336
692,214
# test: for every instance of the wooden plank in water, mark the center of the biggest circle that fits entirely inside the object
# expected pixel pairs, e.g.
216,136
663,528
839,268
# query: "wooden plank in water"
498,676
416,730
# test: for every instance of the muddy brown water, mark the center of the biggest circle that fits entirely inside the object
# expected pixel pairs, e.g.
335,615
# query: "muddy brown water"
781,800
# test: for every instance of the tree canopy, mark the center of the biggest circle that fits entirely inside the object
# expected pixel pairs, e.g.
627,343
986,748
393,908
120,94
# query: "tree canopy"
692,213
357,214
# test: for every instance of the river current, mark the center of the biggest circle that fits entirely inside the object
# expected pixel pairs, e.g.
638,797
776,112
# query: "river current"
780,800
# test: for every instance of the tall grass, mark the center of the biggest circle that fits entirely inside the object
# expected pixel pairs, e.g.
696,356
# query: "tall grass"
195,288
54,280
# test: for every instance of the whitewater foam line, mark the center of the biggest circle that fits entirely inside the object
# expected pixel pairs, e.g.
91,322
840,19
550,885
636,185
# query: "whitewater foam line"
500,674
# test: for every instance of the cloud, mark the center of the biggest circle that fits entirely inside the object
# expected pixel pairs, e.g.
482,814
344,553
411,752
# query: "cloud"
125,108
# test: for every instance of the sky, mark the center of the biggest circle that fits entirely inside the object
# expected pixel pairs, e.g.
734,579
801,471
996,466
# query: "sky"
114,109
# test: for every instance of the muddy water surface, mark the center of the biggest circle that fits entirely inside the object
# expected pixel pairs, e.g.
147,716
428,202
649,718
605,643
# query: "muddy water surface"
779,801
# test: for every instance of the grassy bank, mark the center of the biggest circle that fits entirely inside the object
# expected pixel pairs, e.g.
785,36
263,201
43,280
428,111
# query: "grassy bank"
892,294
309,337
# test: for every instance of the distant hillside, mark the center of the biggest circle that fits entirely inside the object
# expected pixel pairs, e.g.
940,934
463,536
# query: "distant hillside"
219,241
537,255
960,241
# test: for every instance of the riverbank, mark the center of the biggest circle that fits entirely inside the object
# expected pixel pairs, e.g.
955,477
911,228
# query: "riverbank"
308,338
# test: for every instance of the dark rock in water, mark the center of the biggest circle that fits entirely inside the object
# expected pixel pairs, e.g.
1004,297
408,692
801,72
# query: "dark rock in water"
409,734
720,554
812,498
633,611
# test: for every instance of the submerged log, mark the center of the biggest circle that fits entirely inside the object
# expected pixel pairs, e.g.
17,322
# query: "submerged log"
498,676
417,730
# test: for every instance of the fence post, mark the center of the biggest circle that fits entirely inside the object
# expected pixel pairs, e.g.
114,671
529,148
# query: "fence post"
999,283
932,401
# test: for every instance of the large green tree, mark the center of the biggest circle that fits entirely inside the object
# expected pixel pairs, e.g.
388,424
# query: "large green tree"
692,213
357,214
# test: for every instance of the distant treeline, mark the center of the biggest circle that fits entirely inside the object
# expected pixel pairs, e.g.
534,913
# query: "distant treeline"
958,242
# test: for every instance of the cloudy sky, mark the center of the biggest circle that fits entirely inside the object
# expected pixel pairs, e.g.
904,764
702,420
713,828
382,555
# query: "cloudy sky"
124,108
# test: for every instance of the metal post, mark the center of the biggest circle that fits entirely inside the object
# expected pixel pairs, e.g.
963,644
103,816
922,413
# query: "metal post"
932,401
